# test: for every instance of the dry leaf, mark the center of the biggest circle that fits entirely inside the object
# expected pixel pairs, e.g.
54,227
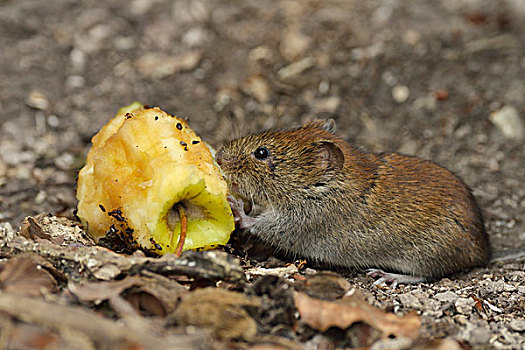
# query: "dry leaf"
89,326
151,295
479,304
100,291
27,336
23,276
146,303
30,229
166,290
220,310
342,313
324,285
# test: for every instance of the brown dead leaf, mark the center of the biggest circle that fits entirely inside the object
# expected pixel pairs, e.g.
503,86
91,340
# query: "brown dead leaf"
82,328
342,313
23,276
147,303
151,294
32,230
99,291
324,285
362,335
221,311
478,304
25,336
47,265
167,291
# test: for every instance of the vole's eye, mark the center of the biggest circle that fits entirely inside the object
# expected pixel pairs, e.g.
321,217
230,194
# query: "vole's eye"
261,153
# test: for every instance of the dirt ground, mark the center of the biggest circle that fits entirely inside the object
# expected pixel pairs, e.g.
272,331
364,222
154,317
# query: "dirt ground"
440,79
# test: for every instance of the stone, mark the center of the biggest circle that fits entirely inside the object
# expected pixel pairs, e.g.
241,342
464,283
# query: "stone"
37,100
464,305
447,296
295,68
400,93
293,43
508,121
517,325
410,301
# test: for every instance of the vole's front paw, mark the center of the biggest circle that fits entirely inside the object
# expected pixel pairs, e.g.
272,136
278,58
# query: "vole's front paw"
239,216
394,278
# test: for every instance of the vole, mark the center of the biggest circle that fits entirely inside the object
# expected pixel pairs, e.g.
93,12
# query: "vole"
406,219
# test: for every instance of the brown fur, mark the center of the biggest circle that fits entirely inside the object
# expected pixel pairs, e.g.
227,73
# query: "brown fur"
328,201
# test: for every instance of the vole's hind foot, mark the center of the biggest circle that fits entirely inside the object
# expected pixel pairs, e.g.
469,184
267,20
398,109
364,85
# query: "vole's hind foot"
394,278
239,216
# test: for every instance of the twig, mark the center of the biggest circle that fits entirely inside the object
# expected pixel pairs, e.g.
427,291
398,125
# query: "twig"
87,261
100,330
183,229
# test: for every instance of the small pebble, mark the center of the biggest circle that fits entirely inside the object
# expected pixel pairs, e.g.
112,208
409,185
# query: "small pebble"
412,37
410,301
259,53
158,66
389,78
75,81
328,104
37,100
78,59
199,73
124,43
40,197
427,103
474,334
517,325
296,68
464,306
258,87
106,272
293,43
195,37
140,7
446,296
64,161
53,121
400,93
508,121
392,344
324,87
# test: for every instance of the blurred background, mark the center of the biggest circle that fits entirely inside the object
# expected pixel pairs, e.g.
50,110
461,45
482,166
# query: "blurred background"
441,79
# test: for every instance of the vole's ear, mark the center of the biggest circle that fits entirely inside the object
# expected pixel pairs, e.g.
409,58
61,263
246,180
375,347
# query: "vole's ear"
326,124
330,155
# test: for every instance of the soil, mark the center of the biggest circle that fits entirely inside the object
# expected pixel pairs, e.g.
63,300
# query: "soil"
440,79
